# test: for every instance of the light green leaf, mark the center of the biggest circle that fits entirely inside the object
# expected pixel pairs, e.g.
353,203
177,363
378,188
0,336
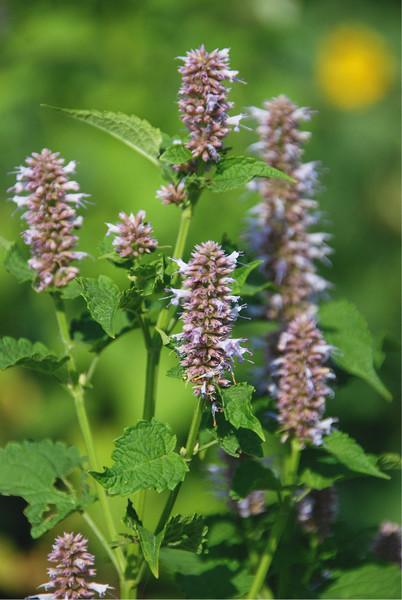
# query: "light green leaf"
368,581
187,533
346,329
30,470
33,356
177,154
349,453
144,458
389,461
241,274
16,263
102,297
236,171
136,133
149,542
238,410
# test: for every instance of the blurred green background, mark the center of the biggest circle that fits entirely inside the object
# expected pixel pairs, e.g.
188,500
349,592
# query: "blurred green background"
341,58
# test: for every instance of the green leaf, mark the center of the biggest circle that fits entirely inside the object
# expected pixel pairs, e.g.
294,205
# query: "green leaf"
102,297
349,453
347,330
30,355
236,171
236,441
149,542
251,475
389,461
30,470
16,263
144,458
187,533
177,154
136,133
368,581
240,275
177,372
238,410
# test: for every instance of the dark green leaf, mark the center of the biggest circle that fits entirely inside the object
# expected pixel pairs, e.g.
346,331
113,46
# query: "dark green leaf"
251,475
368,581
236,171
149,542
346,329
144,458
136,133
349,453
187,533
102,297
236,441
176,372
16,263
240,275
33,356
177,154
238,410
30,470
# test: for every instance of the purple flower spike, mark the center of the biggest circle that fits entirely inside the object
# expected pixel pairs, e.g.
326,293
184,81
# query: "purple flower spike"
387,544
206,349
74,567
203,101
280,225
50,199
301,387
172,194
133,235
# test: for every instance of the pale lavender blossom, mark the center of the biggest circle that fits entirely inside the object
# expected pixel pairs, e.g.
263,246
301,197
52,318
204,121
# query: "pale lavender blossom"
203,101
280,228
50,198
206,350
317,512
387,544
70,578
172,193
133,235
301,381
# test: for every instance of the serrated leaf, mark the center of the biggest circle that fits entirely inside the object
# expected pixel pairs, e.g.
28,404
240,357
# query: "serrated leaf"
251,475
149,542
30,470
240,275
348,452
236,441
30,355
238,410
136,133
347,330
177,154
236,171
368,581
144,458
16,263
102,297
187,533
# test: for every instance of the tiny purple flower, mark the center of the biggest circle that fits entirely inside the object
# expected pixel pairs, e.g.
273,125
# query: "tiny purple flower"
133,235
172,193
387,544
203,101
206,349
317,511
50,199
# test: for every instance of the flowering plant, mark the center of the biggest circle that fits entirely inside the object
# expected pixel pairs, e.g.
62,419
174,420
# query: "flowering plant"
269,445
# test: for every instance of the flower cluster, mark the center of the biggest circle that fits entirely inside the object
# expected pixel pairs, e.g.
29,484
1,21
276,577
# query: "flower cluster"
50,198
209,309
387,544
70,578
302,377
133,235
172,193
279,230
203,101
317,511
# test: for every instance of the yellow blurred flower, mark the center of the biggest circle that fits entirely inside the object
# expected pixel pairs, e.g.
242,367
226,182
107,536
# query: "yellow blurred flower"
354,67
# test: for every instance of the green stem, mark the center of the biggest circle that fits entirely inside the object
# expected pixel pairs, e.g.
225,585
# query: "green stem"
151,379
289,478
88,519
77,392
